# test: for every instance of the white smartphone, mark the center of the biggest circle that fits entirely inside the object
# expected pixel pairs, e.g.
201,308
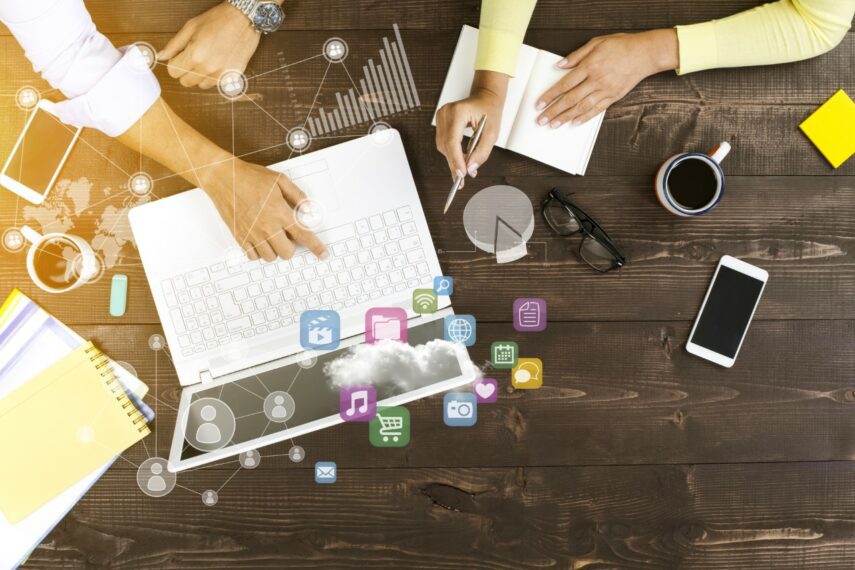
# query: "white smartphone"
727,311
38,156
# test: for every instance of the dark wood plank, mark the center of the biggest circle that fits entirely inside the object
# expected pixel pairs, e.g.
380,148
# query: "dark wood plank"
147,16
614,393
800,229
794,515
129,16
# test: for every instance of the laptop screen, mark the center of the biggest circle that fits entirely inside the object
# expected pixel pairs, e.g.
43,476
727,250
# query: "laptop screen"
296,394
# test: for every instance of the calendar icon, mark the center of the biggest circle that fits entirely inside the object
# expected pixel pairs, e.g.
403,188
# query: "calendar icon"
504,354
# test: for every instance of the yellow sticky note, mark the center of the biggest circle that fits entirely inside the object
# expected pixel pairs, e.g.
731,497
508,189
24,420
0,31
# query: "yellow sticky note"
832,128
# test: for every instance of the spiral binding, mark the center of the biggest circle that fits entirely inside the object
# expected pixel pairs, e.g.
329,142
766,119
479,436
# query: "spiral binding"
114,386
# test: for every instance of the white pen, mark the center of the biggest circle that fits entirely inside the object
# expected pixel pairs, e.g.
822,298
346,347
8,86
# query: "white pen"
470,148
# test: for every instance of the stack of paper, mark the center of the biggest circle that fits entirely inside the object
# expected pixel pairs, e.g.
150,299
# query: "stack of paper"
32,343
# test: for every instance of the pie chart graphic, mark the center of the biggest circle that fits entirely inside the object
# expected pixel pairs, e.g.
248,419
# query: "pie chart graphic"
500,219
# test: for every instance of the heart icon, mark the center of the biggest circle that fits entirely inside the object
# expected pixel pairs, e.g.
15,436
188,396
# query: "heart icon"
486,390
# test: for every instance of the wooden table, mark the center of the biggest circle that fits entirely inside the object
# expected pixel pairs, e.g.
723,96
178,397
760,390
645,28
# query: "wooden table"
633,454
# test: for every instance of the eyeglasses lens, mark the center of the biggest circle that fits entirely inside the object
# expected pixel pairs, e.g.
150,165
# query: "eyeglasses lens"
561,220
596,254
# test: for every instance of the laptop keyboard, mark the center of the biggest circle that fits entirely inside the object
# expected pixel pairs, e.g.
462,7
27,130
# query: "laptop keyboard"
223,302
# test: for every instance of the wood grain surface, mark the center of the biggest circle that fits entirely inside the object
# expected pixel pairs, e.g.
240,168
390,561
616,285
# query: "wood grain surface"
634,454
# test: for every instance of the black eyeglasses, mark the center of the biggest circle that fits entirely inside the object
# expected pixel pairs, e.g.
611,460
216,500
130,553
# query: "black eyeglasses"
567,219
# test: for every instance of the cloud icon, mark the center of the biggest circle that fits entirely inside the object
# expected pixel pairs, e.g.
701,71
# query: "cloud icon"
391,364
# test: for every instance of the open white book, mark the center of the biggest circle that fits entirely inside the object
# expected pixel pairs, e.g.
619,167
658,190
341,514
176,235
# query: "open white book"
567,148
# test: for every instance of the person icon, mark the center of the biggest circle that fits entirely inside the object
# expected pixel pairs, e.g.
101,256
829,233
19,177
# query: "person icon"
13,240
335,50
209,424
296,454
156,483
154,479
208,433
279,410
279,407
232,84
209,498
156,342
249,459
140,184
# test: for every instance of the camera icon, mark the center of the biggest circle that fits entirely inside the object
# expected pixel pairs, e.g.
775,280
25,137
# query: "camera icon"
460,409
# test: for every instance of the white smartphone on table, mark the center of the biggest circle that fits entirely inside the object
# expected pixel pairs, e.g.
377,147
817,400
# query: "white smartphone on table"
38,156
727,311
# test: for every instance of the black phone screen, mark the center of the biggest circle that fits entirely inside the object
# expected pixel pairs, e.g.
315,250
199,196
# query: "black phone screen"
41,151
727,312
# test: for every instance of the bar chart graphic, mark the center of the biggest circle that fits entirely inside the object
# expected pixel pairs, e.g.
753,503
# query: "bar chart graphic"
385,89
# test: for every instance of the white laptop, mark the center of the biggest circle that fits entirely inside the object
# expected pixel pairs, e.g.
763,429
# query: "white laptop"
232,325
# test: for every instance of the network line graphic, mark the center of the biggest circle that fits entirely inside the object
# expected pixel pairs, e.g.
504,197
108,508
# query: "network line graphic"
392,77
385,88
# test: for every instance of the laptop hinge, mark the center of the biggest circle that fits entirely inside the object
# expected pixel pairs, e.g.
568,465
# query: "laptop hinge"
205,376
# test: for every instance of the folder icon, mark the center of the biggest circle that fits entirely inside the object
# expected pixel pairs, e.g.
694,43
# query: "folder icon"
386,328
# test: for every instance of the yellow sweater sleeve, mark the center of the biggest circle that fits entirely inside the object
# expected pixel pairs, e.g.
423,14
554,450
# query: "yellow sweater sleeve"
502,29
780,32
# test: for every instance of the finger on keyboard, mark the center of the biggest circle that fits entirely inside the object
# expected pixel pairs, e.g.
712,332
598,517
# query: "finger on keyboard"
283,246
265,251
311,241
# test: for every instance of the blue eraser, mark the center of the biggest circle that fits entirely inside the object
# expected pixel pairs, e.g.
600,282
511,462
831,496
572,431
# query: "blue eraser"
118,295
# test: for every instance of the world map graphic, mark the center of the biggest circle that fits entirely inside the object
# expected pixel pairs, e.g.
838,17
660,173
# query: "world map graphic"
96,215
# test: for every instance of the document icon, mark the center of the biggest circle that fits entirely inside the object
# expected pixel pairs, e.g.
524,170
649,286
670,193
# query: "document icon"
530,314
325,472
385,323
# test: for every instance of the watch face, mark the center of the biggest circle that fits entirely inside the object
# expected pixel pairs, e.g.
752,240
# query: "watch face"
268,17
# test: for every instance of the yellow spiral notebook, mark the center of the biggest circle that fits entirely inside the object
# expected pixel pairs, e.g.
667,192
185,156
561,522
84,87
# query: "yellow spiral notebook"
61,426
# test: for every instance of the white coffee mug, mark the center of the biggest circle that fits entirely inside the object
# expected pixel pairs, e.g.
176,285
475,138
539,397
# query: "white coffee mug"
78,266
712,160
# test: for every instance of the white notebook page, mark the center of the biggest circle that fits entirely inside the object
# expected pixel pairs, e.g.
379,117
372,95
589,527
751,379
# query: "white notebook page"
567,148
458,82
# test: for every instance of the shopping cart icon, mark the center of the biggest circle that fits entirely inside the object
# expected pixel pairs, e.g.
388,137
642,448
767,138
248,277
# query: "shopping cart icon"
390,427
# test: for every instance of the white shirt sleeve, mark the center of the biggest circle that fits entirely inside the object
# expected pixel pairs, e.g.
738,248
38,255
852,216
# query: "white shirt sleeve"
107,89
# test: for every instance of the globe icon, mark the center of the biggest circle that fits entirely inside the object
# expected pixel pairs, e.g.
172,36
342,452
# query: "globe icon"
459,330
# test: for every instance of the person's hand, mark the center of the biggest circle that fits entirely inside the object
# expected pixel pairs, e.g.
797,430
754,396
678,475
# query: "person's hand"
604,70
487,97
218,40
259,209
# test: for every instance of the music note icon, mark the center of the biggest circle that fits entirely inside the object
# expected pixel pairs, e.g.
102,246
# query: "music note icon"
360,396
357,403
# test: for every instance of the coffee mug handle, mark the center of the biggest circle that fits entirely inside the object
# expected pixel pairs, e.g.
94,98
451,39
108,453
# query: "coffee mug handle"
32,235
720,152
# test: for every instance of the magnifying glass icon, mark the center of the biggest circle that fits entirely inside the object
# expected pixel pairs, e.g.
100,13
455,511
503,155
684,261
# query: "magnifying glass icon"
443,285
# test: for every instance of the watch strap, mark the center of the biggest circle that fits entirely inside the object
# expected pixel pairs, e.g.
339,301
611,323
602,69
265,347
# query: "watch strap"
245,6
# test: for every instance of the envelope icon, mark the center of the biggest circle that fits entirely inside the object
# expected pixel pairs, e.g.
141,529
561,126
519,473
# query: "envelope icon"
325,472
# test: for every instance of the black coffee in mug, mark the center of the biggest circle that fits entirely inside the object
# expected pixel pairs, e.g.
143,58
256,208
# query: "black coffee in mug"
57,262
692,183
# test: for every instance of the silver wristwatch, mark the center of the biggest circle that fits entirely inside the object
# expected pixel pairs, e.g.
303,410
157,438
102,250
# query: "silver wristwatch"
266,16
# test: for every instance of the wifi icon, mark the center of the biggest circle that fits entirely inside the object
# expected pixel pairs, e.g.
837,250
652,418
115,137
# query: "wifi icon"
424,301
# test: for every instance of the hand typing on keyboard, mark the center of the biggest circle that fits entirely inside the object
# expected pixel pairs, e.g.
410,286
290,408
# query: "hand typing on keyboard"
258,204
373,259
